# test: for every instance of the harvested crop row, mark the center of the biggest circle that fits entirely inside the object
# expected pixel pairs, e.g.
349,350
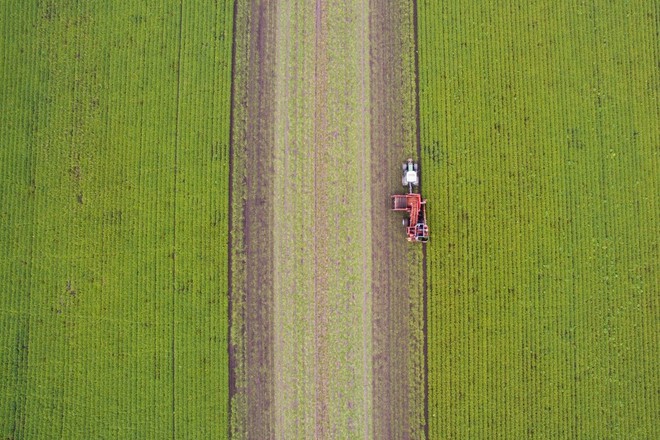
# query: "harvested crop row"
295,334
251,289
397,276
308,181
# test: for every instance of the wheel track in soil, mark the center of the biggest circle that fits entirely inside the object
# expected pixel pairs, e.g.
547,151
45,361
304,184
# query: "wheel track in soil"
251,339
396,297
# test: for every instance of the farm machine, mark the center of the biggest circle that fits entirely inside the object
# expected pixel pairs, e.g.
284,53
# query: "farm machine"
412,202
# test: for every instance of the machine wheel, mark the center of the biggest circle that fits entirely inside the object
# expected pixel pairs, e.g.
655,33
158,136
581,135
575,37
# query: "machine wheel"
406,222
415,167
403,167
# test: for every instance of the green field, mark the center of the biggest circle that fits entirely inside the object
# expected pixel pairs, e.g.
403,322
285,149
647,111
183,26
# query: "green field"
540,152
540,158
114,191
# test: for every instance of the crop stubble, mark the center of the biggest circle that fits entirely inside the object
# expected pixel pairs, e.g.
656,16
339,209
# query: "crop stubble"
398,392
324,267
251,332
294,254
343,268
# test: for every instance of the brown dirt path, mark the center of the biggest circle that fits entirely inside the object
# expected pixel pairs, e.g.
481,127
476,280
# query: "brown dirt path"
398,393
325,310
251,290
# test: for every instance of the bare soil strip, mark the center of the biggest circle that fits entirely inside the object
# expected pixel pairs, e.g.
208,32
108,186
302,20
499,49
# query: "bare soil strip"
251,344
326,305
397,298
231,355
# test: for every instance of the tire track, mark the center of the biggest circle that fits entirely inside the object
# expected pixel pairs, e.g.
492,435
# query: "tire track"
397,308
251,343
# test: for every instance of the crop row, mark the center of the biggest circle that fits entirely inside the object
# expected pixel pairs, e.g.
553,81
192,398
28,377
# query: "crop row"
114,184
538,124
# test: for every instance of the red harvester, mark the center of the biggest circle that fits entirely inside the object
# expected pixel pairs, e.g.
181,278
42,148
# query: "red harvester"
412,203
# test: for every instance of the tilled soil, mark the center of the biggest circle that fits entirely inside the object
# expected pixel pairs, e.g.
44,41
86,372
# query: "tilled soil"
251,342
398,400
325,295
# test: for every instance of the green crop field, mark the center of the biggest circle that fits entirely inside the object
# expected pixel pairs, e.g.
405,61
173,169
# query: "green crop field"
540,152
135,302
114,138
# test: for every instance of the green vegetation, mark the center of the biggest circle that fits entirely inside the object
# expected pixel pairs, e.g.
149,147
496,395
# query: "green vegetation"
114,183
539,129
237,415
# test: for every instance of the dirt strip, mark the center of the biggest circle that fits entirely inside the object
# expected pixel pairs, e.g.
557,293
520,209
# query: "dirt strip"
251,338
397,356
325,292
